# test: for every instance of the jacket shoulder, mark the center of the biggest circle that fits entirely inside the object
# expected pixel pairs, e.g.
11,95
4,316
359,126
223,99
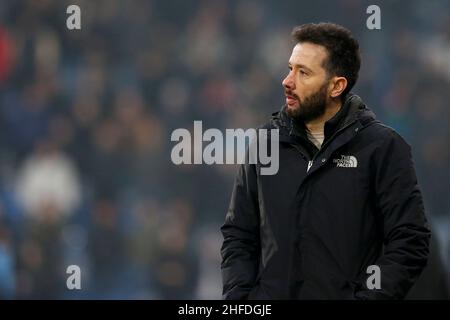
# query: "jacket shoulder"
386,134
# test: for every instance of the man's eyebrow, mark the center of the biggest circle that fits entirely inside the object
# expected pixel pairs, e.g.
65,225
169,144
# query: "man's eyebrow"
299,65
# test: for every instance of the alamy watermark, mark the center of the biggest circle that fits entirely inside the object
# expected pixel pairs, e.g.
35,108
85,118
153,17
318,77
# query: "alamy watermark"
374,280
236,146
73,281
73,21
374,20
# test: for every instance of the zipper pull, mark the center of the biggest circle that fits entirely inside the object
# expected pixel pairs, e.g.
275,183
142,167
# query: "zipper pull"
310,163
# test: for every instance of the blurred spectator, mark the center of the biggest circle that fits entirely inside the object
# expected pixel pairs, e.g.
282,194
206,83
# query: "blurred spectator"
48,179
176,266
40,272
6,55
106,248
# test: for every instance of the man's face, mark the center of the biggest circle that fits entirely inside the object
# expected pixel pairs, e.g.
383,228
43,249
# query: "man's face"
306,85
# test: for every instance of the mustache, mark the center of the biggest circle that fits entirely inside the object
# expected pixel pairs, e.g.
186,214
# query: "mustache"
290,93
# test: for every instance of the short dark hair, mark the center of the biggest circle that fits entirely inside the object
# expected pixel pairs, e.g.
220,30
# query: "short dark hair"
344,58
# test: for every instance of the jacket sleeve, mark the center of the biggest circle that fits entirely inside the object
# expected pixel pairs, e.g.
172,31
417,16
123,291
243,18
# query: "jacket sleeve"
405,228
241,241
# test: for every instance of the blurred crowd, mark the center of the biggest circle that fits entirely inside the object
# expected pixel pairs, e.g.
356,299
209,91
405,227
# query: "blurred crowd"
86,115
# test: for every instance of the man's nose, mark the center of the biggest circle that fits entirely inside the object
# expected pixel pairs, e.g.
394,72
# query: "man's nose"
288,82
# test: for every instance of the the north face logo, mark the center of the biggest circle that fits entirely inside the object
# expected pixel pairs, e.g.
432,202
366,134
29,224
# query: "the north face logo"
346,162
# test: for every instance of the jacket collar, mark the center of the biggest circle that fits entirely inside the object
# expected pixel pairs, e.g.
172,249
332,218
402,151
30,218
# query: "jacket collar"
352,109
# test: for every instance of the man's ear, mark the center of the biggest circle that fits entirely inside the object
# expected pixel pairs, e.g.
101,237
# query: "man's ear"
337,86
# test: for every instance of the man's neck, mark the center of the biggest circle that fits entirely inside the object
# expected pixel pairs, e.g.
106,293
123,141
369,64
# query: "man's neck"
317,125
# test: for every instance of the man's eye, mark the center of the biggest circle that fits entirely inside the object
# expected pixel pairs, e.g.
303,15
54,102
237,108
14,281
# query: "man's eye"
303,73
290,68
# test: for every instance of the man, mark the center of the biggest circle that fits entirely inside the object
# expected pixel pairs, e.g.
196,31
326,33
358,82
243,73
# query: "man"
345,200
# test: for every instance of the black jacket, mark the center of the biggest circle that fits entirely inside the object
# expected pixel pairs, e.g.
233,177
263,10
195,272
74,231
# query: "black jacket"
311,234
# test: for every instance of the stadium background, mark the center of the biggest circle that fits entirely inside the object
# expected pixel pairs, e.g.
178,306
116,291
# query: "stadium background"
86,117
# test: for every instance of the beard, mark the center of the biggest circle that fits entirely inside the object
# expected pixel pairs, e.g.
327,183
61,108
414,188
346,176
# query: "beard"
311,107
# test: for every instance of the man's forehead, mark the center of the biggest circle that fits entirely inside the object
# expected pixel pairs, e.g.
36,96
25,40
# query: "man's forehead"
308,54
